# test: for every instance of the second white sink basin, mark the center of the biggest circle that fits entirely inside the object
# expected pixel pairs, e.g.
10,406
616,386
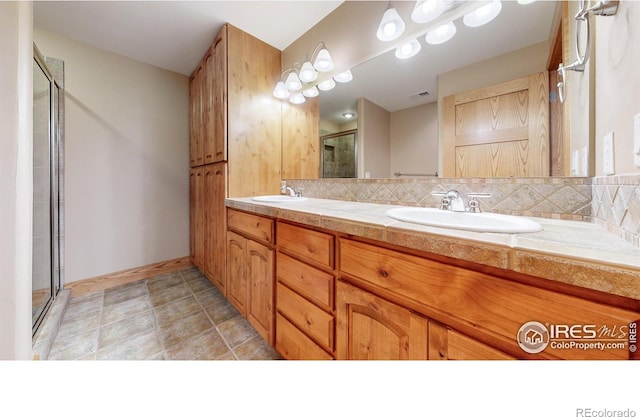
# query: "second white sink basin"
278,199
475,222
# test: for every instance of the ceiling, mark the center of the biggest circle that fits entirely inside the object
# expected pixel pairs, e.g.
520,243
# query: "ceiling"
175,34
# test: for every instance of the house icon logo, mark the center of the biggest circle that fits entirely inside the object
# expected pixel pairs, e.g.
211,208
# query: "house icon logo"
533,337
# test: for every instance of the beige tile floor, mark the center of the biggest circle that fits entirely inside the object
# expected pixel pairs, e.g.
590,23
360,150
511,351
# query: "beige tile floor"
177,315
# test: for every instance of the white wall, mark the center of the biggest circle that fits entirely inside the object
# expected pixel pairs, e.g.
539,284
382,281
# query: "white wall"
617,83
126,160
414,140
16,44
373,140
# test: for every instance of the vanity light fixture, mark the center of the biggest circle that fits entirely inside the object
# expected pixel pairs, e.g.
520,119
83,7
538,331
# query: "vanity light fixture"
344,77
441,34
483,15
525,1
427,10
304,80
409,49
391,25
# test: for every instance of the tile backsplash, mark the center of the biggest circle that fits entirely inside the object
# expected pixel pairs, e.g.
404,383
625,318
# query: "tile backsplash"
612,203
616,205
558,198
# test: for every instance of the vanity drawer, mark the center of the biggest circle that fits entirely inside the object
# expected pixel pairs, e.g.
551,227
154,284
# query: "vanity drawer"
292,343
307,244
257,227
447,344
317,323
495,306
312,283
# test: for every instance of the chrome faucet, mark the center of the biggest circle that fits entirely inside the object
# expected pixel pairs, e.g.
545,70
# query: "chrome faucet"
290,191
452,200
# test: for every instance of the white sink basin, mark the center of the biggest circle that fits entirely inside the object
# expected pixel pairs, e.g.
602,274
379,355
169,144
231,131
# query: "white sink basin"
475,222
278,199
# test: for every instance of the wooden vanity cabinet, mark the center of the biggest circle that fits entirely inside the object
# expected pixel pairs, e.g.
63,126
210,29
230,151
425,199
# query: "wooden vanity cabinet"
305,293
250,269
472,315
197,216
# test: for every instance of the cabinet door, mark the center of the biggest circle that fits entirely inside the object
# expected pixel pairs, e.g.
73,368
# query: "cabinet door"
236,276
197,203
448,344
260,285
194,119
216,225
370,327
220,96
208,108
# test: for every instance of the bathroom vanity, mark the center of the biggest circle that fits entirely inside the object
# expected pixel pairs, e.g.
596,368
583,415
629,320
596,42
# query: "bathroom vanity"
349,282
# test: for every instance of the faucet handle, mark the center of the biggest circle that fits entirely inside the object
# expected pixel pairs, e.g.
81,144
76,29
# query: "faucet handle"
474,204
444,203
299,192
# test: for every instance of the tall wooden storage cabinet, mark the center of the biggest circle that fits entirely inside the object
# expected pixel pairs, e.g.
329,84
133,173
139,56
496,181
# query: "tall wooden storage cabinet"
235,139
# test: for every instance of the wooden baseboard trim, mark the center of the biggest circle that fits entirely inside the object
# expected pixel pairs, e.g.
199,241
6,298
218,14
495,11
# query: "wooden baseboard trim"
113,279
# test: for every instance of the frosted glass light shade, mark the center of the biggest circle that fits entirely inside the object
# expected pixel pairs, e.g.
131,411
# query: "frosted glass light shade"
525,1
297,98
311,92
308,73
327,85
427,10
408,49
483,15
391,25
441,34
281,91
344,77
323,62
293,82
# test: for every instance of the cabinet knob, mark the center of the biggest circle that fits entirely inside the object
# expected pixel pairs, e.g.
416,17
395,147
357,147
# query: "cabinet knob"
383,273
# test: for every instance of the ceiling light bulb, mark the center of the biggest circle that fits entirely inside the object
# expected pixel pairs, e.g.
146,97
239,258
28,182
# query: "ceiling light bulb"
483,15
297,98
311,92
323,62
391,26
293,82
308,73
427,10
441,34
349,115
525,1
344,77
408,49
281,91
327,85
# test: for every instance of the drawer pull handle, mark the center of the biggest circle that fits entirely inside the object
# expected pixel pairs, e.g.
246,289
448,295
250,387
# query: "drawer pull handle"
383,273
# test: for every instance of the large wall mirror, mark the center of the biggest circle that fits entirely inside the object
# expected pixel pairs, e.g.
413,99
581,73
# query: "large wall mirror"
409,92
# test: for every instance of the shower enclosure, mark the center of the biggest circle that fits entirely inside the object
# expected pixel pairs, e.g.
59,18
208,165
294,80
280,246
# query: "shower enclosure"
47,163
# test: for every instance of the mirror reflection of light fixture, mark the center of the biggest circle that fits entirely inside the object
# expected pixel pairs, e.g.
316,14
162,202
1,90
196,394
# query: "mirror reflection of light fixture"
427,10
441,34
297,98
293,82
409,49
281,91
311,92
348,115
391,25
327,84
344,77
483,15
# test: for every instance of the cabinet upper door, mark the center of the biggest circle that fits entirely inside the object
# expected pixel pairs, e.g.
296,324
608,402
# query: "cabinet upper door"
219,96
